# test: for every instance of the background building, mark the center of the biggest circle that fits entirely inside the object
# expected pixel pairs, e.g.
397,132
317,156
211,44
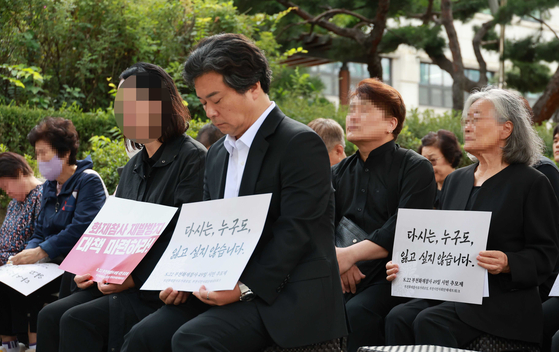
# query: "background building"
423,84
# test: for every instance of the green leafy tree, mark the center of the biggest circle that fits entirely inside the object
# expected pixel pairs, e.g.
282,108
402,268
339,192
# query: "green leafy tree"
356,30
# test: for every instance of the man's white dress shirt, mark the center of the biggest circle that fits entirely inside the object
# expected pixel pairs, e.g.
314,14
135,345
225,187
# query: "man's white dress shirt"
238,153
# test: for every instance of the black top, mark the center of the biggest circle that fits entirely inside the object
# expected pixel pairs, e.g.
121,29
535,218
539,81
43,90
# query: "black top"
366,196
293,270
148,164
550,170
473,197
524,226
175,177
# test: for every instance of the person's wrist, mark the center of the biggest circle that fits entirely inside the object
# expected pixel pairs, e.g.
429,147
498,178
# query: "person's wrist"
246,293
351,255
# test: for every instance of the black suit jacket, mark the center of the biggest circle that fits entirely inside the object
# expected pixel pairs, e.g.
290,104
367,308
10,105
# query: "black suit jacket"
293,270
524,226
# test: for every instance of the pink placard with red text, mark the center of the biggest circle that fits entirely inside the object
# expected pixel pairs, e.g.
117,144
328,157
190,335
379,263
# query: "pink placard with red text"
118,239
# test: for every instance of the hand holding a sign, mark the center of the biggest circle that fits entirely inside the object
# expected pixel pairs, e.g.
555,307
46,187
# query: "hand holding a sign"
170,296
83,281
107,288
495,262
391,270
218,298
29,256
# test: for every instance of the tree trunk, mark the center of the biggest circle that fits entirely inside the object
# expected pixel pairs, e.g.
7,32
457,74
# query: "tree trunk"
374,66
548,103
458,93
459,79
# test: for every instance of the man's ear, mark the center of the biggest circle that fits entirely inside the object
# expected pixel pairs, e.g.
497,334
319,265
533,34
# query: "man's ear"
339,149
255,91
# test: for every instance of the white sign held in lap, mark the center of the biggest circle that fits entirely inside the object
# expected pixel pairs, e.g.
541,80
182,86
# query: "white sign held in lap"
28,278
555,289
211,245
436,253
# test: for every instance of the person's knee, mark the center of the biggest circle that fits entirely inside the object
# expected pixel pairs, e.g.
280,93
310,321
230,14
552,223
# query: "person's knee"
423,321
555,342
180,340
398,316
358,313
46,316
137,339
70,317
49,317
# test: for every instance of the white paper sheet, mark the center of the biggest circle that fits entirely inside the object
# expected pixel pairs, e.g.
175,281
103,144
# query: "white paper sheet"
436,252
211,245
28,278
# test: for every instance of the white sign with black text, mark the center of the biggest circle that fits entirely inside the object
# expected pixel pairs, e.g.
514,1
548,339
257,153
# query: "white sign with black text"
28,278
211,244
436,253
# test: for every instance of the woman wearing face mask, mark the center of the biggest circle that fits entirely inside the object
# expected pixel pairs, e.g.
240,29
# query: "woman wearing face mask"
168,170
72,196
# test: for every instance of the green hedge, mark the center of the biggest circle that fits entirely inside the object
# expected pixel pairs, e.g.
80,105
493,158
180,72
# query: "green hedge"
100,139
17,121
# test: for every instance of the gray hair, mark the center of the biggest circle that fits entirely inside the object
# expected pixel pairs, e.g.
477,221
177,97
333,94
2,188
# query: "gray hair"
329,130
523,145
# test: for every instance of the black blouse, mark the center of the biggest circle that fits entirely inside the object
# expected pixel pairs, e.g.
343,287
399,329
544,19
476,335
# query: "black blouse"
366,195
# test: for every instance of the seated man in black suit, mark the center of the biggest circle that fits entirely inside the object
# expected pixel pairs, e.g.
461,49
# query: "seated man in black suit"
290,291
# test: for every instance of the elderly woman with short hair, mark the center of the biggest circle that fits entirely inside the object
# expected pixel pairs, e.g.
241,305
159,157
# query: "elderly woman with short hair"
522,243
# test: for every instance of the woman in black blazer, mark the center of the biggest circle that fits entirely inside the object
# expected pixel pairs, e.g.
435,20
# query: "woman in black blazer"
522,244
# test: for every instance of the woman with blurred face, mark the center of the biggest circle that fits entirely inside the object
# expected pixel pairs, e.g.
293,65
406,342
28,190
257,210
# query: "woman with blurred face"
443,151
168,169
522,242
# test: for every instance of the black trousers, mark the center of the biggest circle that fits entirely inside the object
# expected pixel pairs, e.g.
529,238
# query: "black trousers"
366,311
18,313
231,328
434,324
155,332
550,325
48,336
399,322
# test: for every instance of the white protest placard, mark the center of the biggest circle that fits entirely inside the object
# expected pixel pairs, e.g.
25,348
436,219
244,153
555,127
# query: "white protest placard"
28,278
118,239
436,253
555,288
211,245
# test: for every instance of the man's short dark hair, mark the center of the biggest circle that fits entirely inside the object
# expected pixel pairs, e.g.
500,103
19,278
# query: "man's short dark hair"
60,133
241,63
13,165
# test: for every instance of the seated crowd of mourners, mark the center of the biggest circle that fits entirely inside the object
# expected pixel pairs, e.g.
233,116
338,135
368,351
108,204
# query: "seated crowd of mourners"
306,282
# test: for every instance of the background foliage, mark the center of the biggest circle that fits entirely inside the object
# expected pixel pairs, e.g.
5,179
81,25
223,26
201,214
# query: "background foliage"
63,58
